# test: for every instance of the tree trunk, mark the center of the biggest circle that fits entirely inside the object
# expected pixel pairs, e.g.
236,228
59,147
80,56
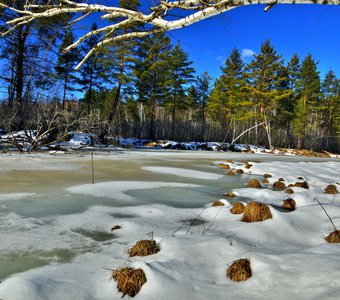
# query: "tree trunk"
90,94
173,118
64,94
115,103
118,91
19,86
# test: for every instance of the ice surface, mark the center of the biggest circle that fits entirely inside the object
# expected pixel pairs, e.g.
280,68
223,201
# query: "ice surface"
184,173
118,189
70,256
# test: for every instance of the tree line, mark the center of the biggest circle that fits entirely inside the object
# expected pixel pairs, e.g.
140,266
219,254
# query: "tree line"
148,88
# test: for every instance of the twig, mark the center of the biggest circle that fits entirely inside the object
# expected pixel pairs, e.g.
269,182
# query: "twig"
193,222
212,223
92,164
326,213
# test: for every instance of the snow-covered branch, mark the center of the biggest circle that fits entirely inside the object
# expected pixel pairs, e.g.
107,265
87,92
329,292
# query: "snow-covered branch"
156,19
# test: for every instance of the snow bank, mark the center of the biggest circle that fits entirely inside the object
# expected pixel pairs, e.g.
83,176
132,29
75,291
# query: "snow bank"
184,173
15,196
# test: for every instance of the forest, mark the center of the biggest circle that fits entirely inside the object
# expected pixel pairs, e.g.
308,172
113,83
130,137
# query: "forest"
147,88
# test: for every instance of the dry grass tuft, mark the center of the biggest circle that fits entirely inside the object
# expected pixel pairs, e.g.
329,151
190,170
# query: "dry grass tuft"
267,175
129,280
289,204
331,189
230,194
333,237
254,183
230,172
265,181
239,171
217,203
247,165
256,212
237,208
303,185
229,160
239,270
281,179
144,248
224,166
279,186
289,191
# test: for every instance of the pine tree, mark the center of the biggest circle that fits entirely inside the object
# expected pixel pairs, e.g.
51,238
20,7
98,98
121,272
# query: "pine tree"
203,88
180,73
287,107
152,74
228,98
264,75
331,104
309,95
120,57
22,53
92,71
65,65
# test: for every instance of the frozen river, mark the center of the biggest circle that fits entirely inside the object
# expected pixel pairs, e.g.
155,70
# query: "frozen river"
50,212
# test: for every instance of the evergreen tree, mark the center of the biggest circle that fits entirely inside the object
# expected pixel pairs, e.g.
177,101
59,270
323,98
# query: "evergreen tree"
180,73
264,75
23,55
309,96
331,104
152,74
92,71
203,91
65,65
120,57
288,106
228,98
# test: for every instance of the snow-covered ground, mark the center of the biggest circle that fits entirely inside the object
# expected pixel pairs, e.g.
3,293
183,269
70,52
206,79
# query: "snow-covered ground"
56,240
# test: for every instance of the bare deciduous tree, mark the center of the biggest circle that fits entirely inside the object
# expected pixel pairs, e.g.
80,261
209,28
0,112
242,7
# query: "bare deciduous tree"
158,18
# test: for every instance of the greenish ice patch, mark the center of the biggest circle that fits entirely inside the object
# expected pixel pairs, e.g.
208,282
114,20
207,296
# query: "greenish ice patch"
19,262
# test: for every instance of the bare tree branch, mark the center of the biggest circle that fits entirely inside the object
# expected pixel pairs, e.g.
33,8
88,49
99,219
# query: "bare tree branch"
157,19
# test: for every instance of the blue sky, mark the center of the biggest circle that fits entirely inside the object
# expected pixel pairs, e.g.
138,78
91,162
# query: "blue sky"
301,29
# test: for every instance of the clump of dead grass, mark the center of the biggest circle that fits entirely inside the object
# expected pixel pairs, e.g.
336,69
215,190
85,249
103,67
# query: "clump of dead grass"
217,203
289,204
230,172
230,194
267,175
256,212
331,189
129,280
239,171
303,185
224,166
254,183
239,270
237,208
289,191
229,160
333,237
279,185
247,165
144,248
265,181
